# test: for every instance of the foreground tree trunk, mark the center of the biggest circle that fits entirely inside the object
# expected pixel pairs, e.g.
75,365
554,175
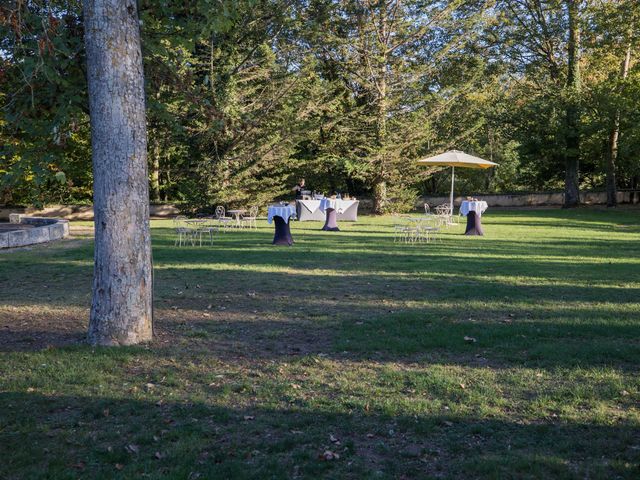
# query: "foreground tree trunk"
612,157
572,137
121,310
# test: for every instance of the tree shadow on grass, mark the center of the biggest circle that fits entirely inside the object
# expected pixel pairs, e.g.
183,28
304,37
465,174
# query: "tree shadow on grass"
523,303
274,314
98,437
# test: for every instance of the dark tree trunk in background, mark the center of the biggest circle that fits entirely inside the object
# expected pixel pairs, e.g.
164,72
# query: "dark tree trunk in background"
572,136
155,171
121,310
612,156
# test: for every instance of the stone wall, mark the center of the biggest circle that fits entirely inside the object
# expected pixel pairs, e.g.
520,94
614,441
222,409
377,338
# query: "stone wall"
85,212
535,199
81,212
43,230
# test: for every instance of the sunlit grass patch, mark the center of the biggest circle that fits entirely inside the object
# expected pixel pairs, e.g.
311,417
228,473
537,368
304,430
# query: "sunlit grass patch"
514,355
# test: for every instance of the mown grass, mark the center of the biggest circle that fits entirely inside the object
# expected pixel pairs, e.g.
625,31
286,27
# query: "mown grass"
267,357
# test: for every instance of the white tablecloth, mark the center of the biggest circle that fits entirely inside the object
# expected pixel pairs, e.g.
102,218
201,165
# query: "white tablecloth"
337,204
479,207
310,210
285,212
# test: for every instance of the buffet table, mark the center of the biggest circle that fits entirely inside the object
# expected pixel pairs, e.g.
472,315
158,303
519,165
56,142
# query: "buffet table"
309,210
280,215
473,210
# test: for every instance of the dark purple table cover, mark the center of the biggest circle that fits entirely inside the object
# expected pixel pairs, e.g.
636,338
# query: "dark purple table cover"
331,222
474,224
283,232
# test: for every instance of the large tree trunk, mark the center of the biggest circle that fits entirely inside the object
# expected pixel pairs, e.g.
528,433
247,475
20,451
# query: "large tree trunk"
572,136
121,310
612,156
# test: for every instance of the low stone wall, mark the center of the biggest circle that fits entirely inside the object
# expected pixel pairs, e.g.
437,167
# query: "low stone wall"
535,199
43,230
81,212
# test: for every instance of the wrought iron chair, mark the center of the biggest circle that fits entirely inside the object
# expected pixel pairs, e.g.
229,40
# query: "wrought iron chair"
250,220
223,221
184,233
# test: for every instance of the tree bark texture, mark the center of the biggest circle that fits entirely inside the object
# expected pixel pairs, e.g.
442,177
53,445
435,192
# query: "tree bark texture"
121,310
572,136
612,156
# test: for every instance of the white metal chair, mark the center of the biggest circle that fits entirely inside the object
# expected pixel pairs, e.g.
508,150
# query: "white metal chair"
206,229
183,232
429,233
250,220
443,214
224,221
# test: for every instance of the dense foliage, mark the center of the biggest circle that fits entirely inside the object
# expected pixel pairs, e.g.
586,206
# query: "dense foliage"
244,97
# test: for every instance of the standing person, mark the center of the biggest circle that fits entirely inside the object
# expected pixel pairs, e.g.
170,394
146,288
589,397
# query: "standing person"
298,189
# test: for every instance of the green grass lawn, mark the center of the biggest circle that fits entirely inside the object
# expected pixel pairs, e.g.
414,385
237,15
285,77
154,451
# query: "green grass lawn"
266,358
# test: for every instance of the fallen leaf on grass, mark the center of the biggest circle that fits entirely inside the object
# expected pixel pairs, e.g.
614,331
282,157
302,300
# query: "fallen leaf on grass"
329,455
463,386
469,339
158,456
624,393
119,466
249,417
79,465
131,448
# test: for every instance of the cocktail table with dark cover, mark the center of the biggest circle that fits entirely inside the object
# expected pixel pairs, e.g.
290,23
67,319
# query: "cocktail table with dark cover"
331,207
473,210
280,216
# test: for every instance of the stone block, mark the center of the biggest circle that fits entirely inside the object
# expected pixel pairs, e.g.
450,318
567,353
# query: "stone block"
19,238
15,217
58,230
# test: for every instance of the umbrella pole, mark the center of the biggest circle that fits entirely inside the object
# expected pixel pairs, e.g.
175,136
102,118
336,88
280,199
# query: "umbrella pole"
453,171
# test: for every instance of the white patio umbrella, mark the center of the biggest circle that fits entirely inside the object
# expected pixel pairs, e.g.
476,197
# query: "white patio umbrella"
453,159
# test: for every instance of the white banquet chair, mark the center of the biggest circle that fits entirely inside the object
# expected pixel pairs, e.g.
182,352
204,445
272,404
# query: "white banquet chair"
223,221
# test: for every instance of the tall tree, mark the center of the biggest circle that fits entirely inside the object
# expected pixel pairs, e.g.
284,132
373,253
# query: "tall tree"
121,310
614,135
387,54
572,133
